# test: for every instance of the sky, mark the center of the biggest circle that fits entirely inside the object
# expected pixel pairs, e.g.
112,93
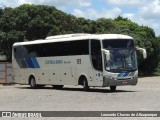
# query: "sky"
143,12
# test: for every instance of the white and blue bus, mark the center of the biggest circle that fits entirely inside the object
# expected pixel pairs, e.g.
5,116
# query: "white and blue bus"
90,60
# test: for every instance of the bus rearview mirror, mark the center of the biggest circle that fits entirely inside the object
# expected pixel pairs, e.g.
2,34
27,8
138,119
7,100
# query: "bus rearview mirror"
143,51
107,54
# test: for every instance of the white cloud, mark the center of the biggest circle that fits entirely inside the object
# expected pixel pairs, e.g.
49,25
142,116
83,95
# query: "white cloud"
151,10
56,3
146,8
91,13
78,13
128,3
146,12
113,13
128,15
9,3
84,3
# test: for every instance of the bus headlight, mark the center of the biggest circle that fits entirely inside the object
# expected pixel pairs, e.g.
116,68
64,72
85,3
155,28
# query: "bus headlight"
113,78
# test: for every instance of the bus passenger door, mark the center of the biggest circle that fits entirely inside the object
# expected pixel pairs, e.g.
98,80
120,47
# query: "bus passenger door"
96,58
95,78
98,78
91,79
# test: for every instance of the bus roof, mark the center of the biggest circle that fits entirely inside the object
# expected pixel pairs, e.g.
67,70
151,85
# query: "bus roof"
74,37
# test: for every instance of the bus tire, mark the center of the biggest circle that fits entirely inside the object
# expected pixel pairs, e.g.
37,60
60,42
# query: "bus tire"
40,86
33,83
58,87
85,84
113,88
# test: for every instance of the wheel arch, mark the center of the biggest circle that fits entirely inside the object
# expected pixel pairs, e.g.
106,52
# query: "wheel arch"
81,78
29,79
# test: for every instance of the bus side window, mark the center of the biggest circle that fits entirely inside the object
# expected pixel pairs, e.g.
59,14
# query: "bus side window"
96,54
18,52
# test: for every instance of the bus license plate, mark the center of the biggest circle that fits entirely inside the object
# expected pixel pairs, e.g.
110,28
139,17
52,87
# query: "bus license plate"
124,82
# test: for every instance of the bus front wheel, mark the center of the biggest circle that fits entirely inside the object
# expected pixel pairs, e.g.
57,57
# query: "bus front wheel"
113,88
33,83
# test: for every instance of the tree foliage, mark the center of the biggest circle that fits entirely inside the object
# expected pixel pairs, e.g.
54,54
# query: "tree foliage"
31,22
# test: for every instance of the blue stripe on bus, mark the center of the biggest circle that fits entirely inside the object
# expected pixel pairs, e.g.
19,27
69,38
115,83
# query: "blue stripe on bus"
125,74
120,75
35,62
29,63
32,63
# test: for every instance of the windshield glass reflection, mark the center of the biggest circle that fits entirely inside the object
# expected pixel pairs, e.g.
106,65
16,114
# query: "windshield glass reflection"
122,59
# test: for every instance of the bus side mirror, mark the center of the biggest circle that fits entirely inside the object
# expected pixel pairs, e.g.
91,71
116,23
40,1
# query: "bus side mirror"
143,51
107,54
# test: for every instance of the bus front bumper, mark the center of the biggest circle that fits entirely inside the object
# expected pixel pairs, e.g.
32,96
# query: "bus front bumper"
109,81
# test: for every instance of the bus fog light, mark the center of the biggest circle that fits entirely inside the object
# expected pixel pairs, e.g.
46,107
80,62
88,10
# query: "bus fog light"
113,78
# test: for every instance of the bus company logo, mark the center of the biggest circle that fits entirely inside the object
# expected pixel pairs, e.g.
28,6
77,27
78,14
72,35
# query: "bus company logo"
6,114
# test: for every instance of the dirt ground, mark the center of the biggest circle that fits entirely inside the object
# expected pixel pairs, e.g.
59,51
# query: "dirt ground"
145,96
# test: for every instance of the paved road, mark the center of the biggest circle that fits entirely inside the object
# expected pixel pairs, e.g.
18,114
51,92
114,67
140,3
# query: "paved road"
145,96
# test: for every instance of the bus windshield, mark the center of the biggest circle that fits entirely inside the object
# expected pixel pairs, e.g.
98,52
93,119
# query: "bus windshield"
122,55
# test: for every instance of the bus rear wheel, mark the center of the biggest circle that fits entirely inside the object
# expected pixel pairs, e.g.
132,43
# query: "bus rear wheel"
58,87
85,84
33,83
113,88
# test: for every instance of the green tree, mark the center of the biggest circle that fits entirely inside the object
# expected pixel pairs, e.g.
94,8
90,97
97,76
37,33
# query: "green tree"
7,40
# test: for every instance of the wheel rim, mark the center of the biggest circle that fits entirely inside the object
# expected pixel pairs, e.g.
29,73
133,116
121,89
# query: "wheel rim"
84,83
32,82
